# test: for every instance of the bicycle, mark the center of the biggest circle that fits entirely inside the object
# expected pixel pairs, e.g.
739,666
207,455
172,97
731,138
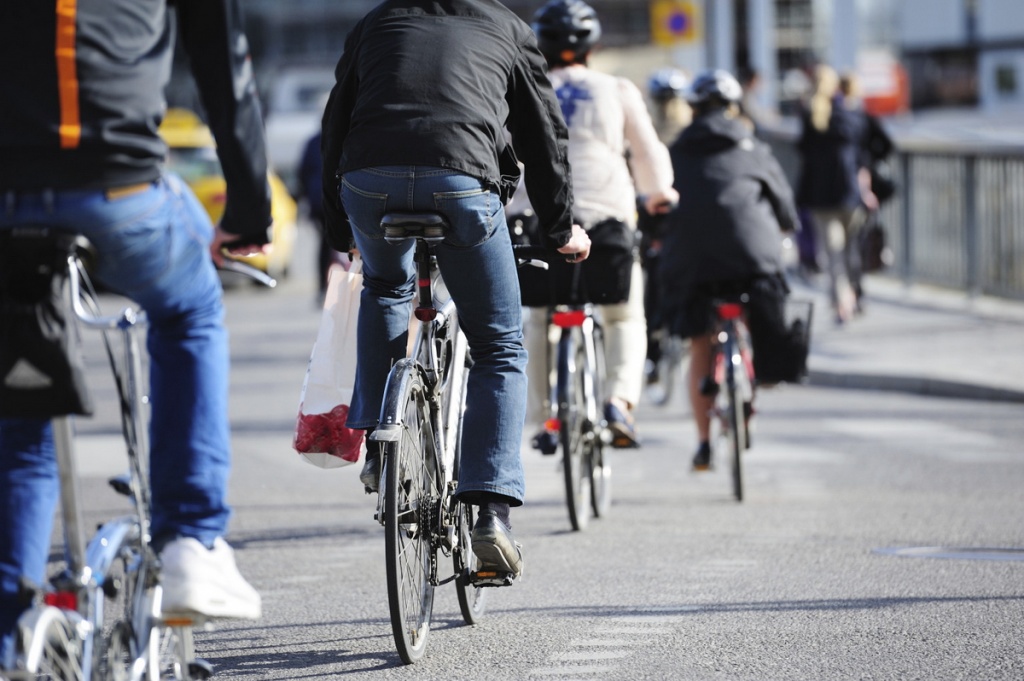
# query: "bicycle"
100,617
419,440
670,367
576,398
732,366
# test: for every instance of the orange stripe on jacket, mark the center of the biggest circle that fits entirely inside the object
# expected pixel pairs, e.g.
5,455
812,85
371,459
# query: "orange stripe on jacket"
67,75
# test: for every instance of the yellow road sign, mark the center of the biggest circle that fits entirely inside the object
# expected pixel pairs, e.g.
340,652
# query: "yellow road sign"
675,22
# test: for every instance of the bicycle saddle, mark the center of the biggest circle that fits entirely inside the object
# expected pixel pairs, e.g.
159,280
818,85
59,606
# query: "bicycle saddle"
402,226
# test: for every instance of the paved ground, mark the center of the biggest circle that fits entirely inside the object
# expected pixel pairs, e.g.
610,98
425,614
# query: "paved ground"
922,340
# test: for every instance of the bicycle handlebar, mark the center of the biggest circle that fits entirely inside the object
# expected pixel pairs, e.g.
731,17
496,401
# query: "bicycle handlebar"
230,264
537,256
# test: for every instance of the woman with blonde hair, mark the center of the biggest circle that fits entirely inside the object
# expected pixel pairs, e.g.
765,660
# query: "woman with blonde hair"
834,182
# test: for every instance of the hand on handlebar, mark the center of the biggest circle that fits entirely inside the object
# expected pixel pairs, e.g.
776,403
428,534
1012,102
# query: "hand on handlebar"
221,246
227,258
662,202
578,246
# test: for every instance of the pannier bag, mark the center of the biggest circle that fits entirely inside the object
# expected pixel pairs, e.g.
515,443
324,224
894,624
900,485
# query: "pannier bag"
779,332
41,365
604,276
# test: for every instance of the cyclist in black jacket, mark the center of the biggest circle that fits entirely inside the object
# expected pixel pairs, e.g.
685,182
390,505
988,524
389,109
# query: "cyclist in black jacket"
82,86
733,201
425,91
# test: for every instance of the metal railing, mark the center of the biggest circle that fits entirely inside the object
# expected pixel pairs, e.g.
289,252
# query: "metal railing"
957,220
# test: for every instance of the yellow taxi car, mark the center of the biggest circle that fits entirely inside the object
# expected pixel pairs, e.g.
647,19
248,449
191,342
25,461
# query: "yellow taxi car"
192,155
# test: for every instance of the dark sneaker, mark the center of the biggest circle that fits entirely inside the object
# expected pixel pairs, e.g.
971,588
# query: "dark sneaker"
545,441
370,475
495,547
702,459
621,426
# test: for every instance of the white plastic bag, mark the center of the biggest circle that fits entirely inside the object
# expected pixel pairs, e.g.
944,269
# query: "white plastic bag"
321,437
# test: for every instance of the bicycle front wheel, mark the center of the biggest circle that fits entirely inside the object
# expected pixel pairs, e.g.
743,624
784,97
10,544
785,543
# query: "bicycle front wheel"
572,416
411,500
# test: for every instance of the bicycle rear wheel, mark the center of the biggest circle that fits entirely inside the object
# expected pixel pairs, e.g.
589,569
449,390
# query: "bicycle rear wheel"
572,417
737,426
410,510
49,646
599,467
472,599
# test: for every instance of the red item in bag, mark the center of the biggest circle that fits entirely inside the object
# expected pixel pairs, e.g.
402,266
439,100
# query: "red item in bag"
327,433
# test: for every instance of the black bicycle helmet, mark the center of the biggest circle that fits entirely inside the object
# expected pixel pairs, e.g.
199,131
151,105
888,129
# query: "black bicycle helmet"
566,30
666,83
715,86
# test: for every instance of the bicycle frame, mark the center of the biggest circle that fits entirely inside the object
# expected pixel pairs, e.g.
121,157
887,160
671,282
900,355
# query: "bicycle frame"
575,401
66,622
438,353
416,502
734,370
568,318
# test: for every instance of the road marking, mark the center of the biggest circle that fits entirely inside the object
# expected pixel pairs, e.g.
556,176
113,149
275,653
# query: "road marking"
609,645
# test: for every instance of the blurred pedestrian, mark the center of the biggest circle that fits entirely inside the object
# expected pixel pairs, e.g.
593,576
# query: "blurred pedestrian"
671,113
666,90
751,106
310,191
835,183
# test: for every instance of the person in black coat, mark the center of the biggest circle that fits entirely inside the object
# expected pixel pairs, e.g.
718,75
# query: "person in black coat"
724,237
835,183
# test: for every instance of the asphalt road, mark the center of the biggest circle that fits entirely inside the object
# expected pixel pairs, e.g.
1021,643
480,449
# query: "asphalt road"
803,580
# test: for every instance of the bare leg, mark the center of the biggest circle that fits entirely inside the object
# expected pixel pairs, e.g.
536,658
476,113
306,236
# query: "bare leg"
700,367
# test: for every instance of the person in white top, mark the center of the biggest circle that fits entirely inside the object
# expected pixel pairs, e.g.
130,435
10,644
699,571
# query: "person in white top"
615,155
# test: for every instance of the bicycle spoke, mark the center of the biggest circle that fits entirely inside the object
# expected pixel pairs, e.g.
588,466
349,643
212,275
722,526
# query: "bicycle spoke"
410,493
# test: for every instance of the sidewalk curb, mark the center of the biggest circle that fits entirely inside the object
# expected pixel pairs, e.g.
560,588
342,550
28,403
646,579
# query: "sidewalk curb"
919,385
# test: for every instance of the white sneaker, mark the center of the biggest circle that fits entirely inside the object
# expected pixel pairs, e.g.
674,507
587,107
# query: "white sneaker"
207,582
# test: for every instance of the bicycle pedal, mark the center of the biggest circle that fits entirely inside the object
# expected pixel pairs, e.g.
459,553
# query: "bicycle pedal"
122,484
482,578
708,387
186,620
199,669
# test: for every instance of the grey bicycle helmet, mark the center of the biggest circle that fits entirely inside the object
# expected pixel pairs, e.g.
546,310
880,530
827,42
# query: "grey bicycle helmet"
566,30
715,86
667,83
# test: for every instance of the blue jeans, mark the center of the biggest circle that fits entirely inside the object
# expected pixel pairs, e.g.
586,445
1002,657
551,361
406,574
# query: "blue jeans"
153,247
479,269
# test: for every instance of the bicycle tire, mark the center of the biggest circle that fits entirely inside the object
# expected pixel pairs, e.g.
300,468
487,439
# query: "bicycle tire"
599,468
410,495
472,599
666,369
177,656
121,570
737,427
572,417
50,647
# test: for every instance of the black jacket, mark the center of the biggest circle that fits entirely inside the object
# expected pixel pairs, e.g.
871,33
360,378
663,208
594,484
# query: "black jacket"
831,159
89,119
436,83
733,200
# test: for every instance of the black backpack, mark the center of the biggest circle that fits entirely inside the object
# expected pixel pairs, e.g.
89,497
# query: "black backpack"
41,367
